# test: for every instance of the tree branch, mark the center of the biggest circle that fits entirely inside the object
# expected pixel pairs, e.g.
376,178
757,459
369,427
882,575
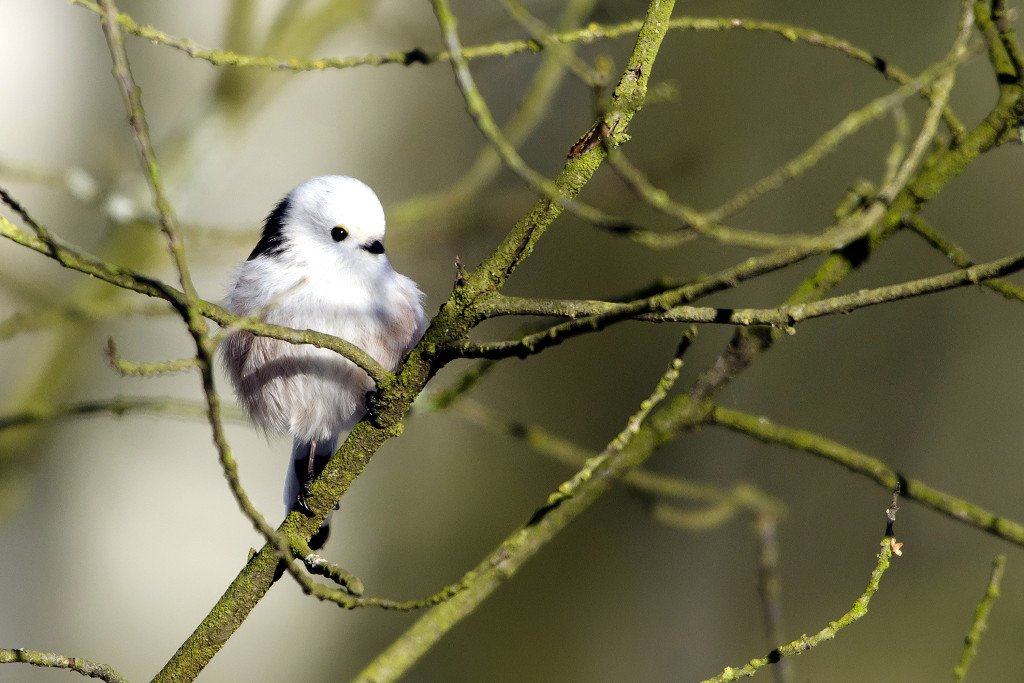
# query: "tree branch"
52,660
451,324
878,471
783,316
919,226
125,278
117,407
805,643
980,622
627,451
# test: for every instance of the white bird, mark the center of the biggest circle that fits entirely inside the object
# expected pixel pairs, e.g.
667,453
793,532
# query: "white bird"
320,265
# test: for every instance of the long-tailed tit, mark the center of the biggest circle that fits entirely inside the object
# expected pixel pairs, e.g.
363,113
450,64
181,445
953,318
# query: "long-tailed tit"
320,265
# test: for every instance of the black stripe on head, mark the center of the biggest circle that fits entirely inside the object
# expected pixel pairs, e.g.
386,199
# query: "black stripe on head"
272,240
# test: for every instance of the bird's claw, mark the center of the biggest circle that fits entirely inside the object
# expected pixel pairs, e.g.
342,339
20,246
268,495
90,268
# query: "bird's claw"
373,408
302,501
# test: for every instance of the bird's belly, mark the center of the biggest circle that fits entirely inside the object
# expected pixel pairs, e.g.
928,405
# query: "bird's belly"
308,392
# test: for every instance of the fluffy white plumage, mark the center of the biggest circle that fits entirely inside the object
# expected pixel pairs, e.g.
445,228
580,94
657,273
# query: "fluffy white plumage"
320,264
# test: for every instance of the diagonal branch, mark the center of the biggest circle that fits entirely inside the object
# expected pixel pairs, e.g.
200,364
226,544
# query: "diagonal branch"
980,622
624,453
452,323
132,95
878,471
805,643
480,112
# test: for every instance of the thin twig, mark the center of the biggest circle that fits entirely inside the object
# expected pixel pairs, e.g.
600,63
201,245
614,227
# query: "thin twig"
592,316
939,77
692,222
964,511
769,587
921,227
129,368
980,622
132,95
118,406
52,660
86,311
480,112
728,501
126,278
805,643
623,453
535,104
16,206
540,33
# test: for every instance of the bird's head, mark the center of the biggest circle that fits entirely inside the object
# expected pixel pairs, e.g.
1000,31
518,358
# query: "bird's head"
325,220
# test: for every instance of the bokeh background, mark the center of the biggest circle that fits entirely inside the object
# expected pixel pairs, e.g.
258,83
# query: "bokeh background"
118,534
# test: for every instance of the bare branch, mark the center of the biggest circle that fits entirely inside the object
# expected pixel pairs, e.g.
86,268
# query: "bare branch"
964,511
784,316
52,660
624,453
117,407
805,643
980,622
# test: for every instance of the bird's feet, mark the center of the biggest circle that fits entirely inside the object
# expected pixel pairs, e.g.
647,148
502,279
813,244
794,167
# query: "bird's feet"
302,500
372,402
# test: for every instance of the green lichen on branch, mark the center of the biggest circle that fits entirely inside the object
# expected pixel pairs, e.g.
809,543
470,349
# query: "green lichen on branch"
980,622
452,323
630,448
783,317
962,510
52,660
805,643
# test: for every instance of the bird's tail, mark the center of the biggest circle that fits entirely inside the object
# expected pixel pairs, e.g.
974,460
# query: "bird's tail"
298,476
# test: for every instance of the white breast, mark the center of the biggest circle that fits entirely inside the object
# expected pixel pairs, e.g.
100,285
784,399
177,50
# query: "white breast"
308,392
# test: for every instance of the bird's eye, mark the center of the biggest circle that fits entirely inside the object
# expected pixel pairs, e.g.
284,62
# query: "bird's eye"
338,233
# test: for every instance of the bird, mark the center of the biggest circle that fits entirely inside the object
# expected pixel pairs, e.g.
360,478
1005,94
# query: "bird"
319,264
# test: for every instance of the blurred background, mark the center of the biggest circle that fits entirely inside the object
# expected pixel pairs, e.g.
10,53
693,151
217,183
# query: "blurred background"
117,534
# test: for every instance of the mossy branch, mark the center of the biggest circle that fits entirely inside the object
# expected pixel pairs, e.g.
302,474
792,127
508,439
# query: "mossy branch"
624,453
783,317
765,430
52,660
452,323
980,621
805,643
